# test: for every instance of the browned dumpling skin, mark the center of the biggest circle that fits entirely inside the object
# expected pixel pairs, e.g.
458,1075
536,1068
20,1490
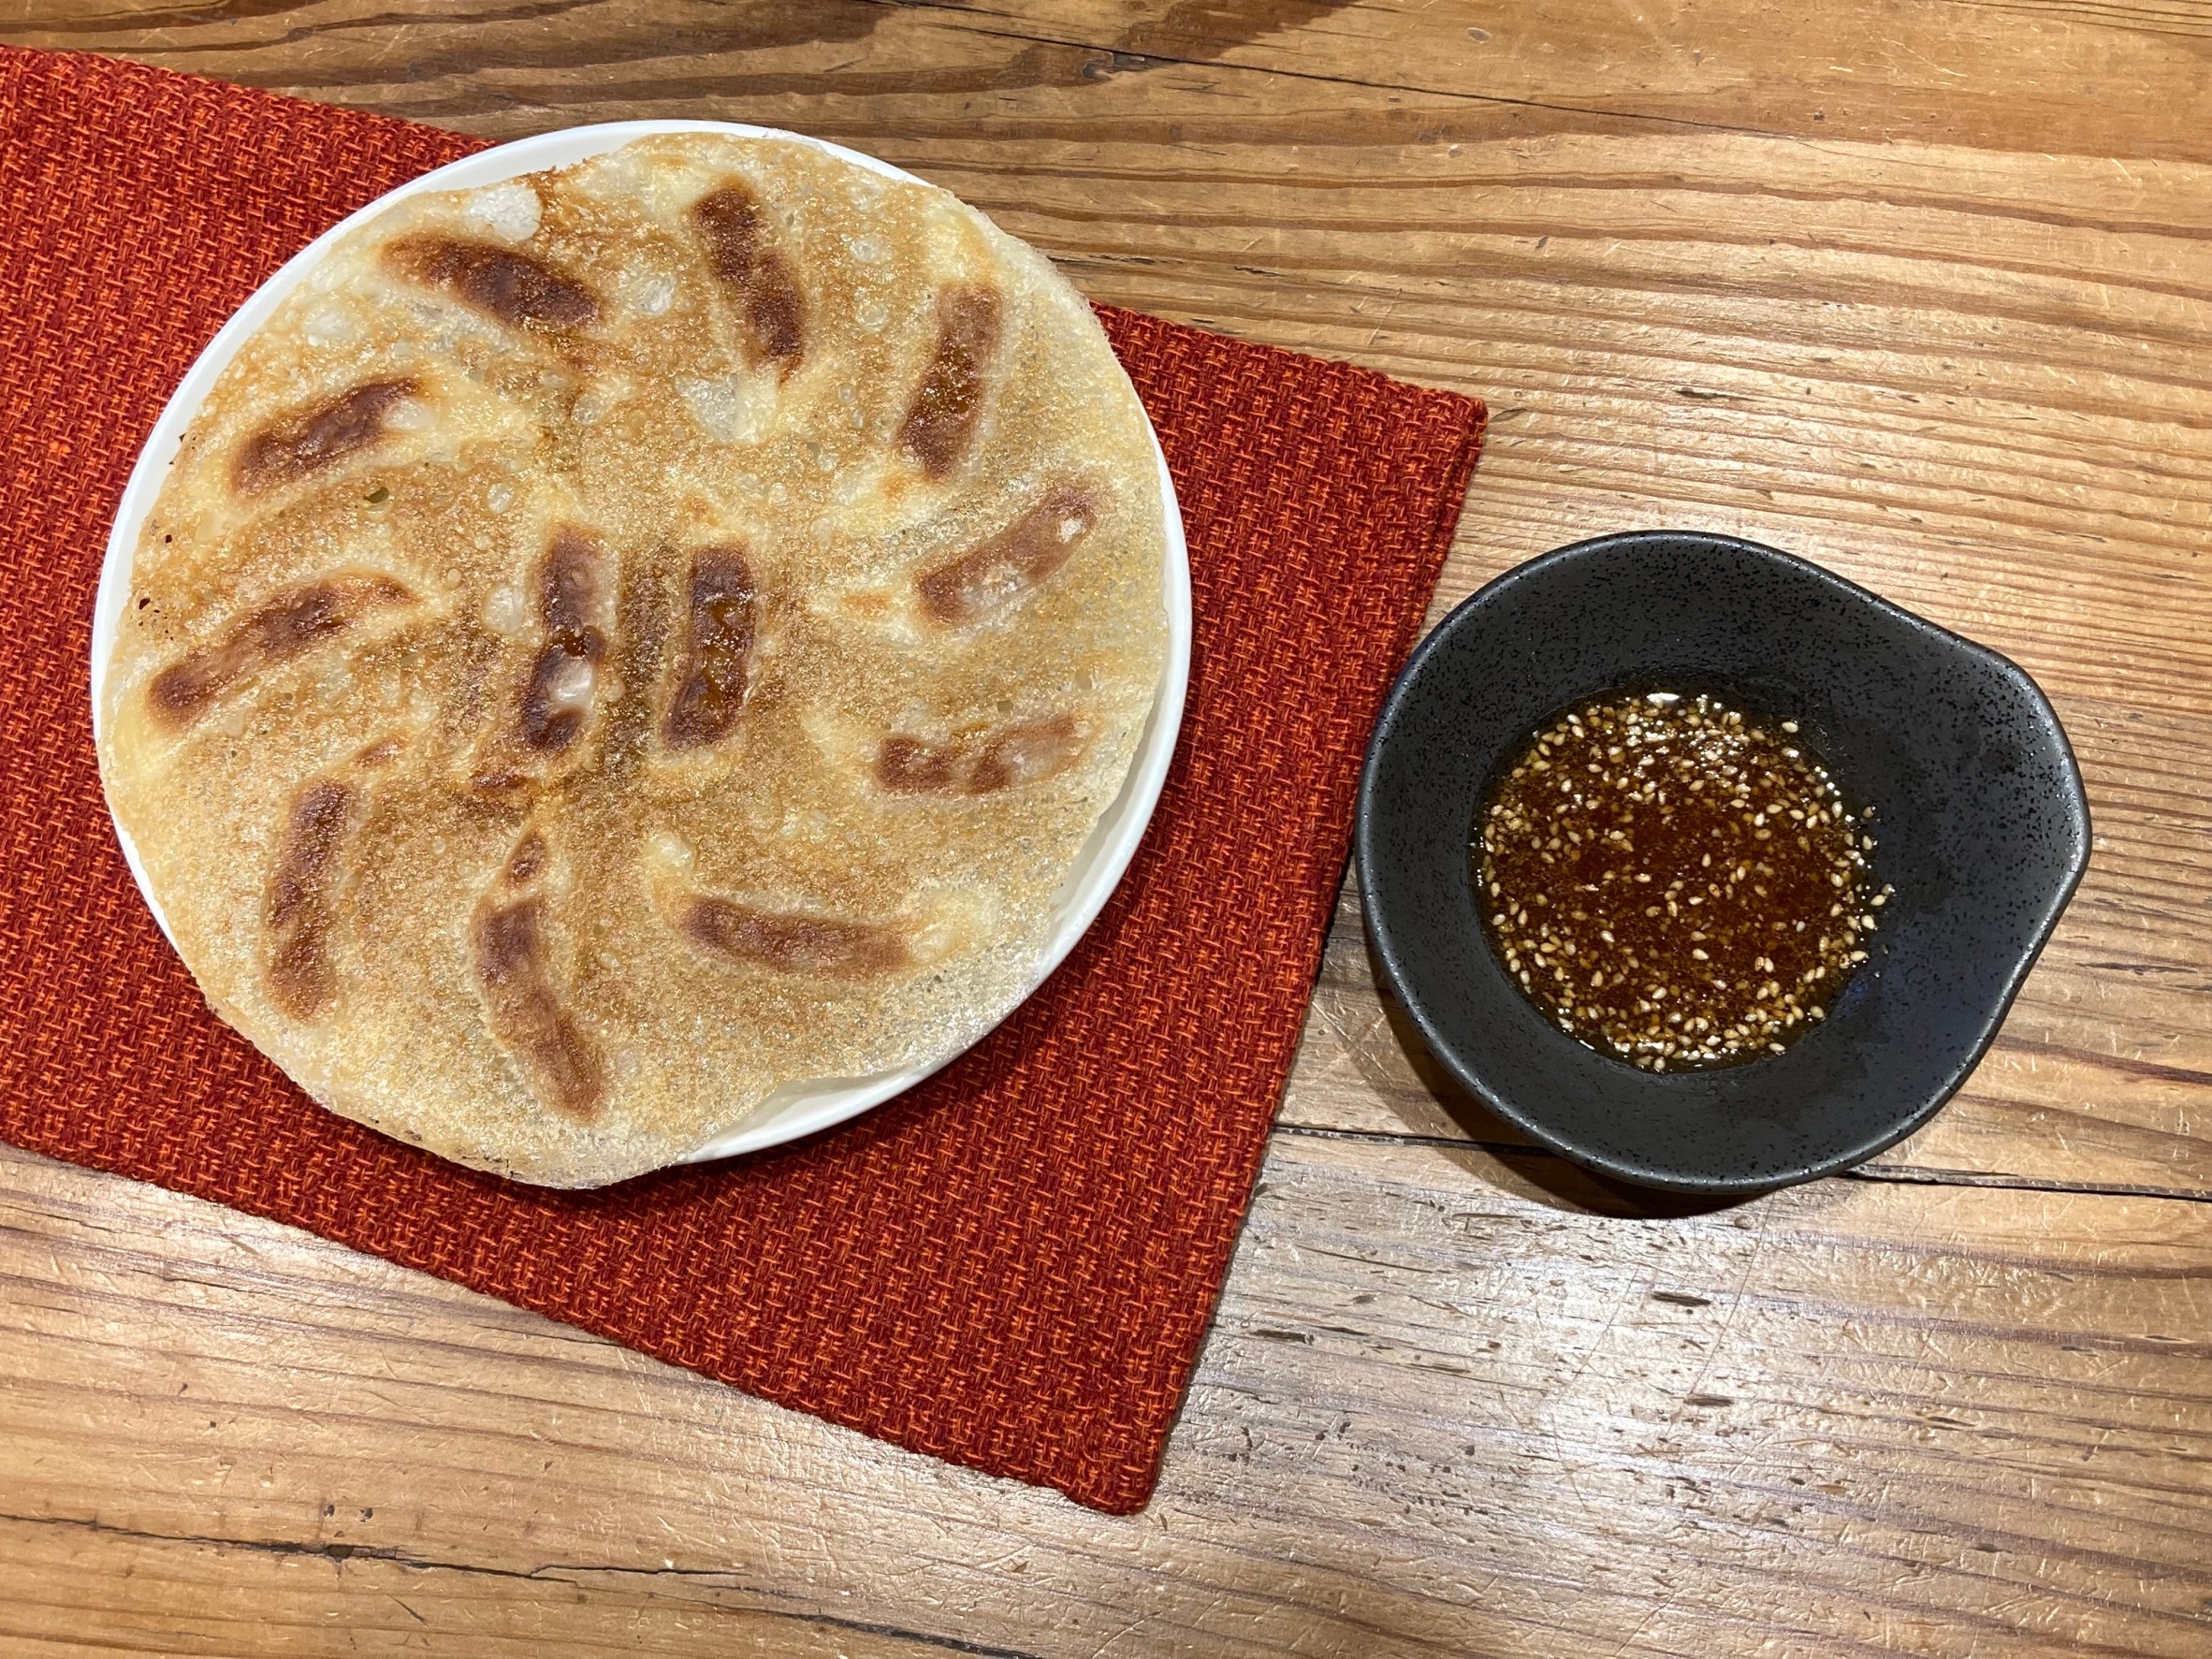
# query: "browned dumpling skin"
621,642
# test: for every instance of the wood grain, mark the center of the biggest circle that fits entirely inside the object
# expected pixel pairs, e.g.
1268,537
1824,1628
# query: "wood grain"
1919,289
1445,1409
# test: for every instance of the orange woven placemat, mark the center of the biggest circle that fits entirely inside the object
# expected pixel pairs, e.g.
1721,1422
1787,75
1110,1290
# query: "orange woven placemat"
1010,1266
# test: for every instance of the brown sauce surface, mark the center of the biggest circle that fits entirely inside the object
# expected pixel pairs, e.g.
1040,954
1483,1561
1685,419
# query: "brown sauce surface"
1672,882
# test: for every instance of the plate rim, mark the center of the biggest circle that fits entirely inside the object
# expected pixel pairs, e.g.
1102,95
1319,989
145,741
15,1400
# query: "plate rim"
1103,861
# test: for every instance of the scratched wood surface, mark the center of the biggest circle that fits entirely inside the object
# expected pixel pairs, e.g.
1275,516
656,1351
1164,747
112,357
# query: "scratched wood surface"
1920,289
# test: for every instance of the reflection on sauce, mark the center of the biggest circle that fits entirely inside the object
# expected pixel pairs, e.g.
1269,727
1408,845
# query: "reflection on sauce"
1673,884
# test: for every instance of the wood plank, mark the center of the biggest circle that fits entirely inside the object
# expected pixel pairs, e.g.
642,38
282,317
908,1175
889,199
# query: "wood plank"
2121,79
1995,77
1964,366
330,1599
1447,1406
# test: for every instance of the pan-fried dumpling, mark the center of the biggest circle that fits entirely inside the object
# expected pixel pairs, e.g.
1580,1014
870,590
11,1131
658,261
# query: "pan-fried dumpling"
619,642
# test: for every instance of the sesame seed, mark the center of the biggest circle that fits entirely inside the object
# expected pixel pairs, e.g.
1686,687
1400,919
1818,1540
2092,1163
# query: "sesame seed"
1678,792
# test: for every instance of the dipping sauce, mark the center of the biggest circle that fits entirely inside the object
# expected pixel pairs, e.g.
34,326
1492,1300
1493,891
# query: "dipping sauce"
1672,882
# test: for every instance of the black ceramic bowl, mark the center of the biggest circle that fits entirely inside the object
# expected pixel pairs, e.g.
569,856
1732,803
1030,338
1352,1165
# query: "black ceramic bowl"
1982,827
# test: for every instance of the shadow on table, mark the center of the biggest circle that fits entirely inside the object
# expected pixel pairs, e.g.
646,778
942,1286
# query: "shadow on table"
1535,1172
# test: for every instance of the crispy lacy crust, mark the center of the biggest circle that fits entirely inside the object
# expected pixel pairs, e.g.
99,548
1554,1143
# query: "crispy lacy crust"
620,642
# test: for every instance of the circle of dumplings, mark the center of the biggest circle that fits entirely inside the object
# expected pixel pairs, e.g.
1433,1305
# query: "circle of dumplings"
622,642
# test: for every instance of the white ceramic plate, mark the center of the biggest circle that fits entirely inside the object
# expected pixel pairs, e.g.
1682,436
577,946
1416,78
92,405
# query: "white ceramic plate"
797,1108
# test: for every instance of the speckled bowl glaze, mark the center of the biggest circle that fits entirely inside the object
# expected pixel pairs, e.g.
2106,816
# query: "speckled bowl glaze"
1982,825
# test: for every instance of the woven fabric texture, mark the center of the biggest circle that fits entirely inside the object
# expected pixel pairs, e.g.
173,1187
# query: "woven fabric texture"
1010,1267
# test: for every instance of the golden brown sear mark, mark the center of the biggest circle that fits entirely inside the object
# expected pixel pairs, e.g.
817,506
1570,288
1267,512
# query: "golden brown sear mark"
717,650
522,1004
293,622
572,599
940,422
509,288
300,907
309,439
793,943
980,764
1013,561
757,276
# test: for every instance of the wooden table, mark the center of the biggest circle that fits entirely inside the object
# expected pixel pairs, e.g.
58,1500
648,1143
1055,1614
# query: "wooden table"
1922,290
